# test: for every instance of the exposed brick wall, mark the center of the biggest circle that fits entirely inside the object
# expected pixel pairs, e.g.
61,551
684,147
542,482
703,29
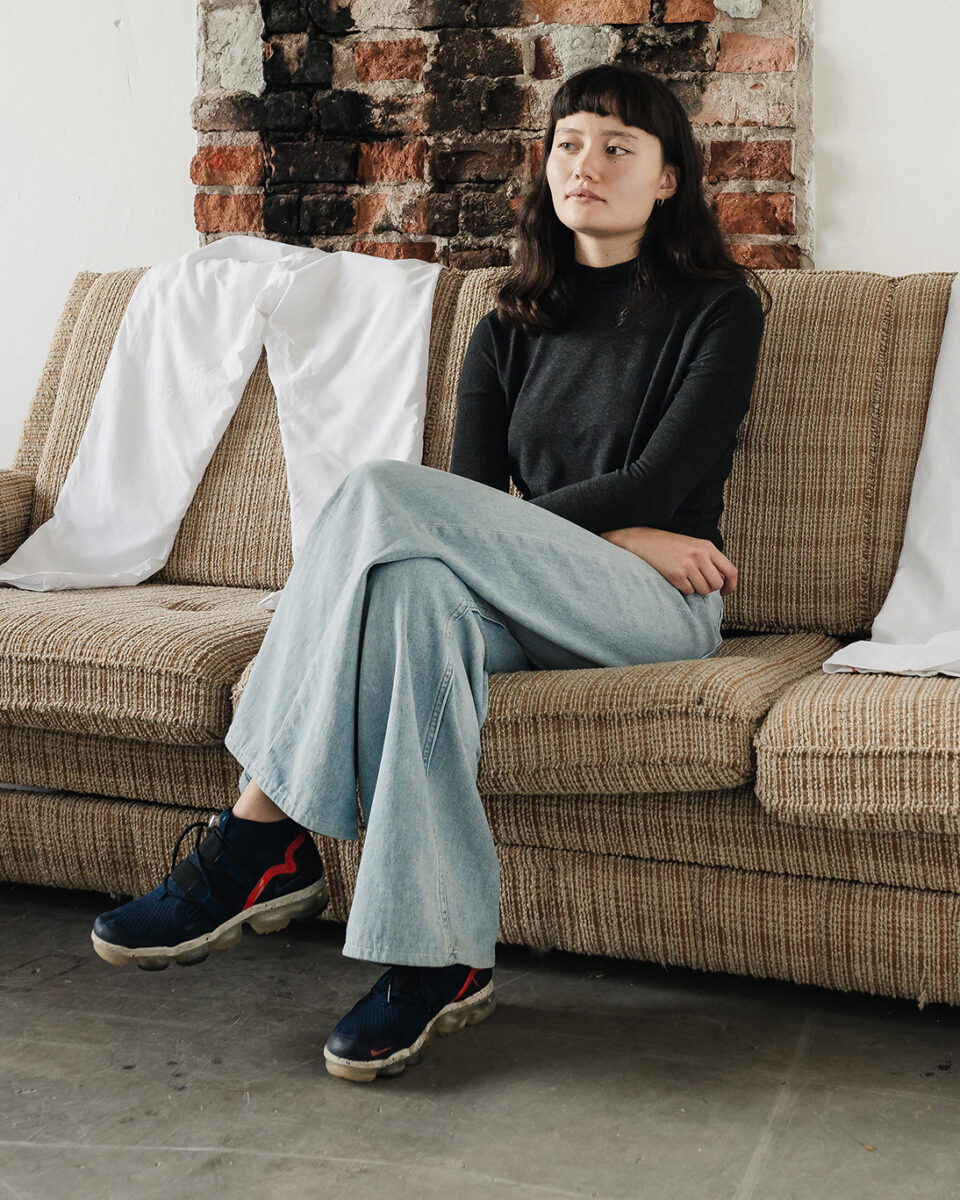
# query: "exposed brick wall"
412,128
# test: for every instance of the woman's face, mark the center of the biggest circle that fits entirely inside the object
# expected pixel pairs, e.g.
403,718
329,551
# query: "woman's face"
619,164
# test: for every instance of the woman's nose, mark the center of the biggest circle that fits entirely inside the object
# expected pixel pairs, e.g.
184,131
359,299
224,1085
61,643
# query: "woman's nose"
584,163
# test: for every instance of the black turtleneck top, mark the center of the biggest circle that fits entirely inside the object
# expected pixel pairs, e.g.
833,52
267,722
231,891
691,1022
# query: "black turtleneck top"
609,426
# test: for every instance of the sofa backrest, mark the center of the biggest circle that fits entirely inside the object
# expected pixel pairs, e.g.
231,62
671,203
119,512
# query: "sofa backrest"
814,508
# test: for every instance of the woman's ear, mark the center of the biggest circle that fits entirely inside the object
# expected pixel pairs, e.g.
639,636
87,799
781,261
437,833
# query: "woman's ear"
668,182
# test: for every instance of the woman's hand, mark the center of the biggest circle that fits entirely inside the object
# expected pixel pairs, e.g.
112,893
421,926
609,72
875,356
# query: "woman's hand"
690,564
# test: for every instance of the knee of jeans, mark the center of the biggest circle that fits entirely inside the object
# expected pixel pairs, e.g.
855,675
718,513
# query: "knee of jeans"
379,471
417,576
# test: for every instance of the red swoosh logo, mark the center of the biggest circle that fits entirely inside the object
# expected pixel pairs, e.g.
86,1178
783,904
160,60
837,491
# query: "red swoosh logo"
377,1053
287,867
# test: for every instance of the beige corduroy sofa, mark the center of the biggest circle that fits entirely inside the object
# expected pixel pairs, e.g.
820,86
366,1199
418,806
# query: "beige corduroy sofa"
746,813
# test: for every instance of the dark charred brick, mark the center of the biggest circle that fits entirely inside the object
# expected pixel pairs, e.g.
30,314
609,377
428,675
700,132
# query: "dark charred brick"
437,213
289,63
475,260
474,162
398,114
501,13
689,92
280,213
510,105
285,110
282,16
675,50
486,215
312,162
463,52
455,107
328,216
344,112
328,18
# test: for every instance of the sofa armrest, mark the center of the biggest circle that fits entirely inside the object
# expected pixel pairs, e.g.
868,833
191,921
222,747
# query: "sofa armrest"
16,503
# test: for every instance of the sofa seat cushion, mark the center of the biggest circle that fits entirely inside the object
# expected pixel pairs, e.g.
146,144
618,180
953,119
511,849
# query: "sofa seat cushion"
660,727
724,829
864,751
152,662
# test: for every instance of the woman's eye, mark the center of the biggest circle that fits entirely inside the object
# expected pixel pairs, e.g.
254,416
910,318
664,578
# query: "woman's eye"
560,146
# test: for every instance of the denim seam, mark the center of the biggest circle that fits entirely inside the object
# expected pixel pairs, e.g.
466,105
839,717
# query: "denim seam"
440,703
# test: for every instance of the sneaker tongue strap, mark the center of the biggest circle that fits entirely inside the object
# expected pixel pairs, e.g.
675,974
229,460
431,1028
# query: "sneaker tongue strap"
186,873
403,981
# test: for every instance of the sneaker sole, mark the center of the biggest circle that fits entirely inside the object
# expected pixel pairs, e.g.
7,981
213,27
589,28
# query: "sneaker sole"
448,1020
268,917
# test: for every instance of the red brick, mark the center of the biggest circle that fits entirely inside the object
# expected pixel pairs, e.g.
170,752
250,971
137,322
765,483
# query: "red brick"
214,212
589,12
689,10
371,211
534,155
237,165
389,60
770,257
747,52
546,65
755,212
750,160
384,162
426,251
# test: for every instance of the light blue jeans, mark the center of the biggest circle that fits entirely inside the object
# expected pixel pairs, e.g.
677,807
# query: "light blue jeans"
412,587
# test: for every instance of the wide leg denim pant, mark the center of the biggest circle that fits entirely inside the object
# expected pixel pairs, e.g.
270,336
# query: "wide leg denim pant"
412,587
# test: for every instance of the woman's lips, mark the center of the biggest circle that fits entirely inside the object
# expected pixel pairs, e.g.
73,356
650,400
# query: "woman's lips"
581,198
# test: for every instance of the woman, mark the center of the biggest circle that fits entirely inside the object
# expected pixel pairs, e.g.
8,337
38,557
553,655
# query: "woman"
609,383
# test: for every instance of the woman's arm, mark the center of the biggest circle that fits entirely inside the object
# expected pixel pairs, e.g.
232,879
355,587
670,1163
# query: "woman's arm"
697,429
690,564
480,435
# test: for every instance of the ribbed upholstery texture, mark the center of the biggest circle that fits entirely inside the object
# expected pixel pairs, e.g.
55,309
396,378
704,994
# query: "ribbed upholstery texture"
864,751
153,662
37,424
16,501
660,727
124,768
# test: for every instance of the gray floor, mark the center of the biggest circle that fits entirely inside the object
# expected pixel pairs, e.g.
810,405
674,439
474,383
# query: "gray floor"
594,1077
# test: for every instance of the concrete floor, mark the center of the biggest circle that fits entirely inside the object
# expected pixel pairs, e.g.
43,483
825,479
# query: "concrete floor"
594,1078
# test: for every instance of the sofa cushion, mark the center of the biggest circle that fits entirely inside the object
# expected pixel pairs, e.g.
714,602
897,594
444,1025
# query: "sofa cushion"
660,727
119,767
723,829
864,751
816,503
156,661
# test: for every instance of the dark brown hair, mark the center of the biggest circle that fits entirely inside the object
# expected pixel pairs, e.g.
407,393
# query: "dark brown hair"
682,235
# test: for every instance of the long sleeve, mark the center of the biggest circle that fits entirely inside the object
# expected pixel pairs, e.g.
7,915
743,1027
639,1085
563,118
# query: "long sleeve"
480,435
693,439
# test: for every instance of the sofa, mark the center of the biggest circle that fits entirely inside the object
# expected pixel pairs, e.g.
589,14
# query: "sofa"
745,813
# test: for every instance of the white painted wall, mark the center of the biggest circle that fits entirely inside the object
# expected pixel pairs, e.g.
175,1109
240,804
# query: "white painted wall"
97,145
886,167
97,139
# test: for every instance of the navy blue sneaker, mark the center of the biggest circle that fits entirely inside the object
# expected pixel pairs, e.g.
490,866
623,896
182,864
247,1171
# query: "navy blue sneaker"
243,872
387,1030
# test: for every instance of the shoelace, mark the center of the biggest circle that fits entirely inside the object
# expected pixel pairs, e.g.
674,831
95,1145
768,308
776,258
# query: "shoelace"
200,827
406,976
